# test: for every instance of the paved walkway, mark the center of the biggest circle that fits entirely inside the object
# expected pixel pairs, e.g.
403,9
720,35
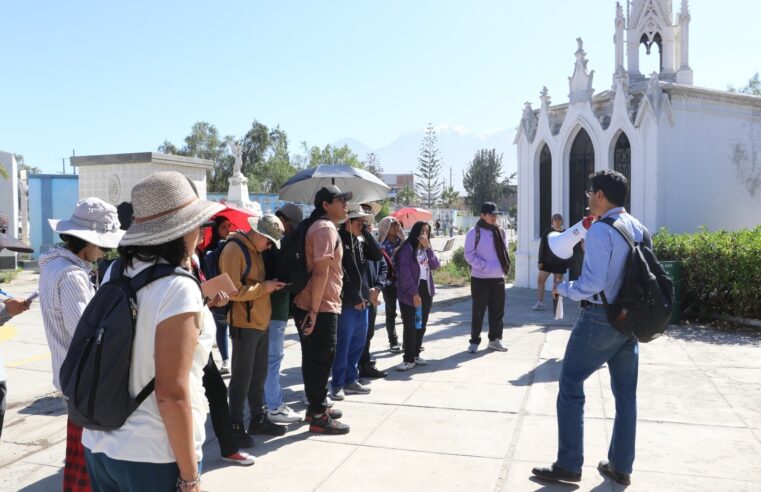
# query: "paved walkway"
470,422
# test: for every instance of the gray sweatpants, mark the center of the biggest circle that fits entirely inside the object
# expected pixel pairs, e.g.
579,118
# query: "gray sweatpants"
248,370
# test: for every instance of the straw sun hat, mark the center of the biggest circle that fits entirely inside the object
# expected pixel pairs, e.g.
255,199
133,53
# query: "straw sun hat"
166,208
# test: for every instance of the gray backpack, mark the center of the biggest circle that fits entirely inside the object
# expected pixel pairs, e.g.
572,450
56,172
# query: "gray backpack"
95,373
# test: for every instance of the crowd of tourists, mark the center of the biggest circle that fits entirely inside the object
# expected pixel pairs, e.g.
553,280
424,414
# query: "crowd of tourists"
328,272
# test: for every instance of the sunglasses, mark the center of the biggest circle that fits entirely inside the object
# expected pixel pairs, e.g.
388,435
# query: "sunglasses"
590,192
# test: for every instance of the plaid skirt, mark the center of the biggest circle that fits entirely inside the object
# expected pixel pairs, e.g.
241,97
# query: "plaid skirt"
75,478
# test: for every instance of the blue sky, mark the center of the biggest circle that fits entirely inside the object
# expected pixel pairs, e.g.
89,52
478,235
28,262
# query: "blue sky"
108,77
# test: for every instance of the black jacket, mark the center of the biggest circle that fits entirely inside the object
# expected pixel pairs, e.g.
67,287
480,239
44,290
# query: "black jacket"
357,256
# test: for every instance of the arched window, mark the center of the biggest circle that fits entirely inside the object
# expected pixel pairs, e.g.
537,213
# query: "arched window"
622,162
581,165
649,61
545,189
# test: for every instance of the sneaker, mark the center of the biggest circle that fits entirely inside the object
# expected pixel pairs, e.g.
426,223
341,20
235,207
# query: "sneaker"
241,437
334,413
283,415
405,366
396,348
327,425
497,345
225,369
262,425
473,348
607,471
555,474
371,372
240,458
538,306
422,348
337,394
419,361
356,388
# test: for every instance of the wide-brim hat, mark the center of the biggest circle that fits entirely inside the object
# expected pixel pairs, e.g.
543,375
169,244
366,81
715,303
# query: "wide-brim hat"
356,212
94,221
166,208
269,226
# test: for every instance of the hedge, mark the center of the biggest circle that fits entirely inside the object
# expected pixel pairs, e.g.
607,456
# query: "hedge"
721,271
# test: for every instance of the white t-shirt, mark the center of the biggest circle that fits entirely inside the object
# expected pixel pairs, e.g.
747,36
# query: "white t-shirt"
422,260
143,436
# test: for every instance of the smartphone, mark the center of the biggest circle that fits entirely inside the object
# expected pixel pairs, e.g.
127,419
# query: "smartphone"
34,295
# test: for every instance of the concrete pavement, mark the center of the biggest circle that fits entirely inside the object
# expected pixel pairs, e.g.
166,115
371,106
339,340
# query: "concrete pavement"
471,422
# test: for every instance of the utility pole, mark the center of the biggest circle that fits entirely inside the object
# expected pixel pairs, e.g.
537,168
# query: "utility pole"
63,163
450,176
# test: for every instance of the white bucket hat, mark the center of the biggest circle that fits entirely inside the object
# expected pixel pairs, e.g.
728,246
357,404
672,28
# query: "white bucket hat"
94,221
165,208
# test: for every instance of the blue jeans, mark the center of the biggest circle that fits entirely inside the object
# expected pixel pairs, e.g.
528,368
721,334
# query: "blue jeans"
273,394
220,319
110,475
350,342
594,342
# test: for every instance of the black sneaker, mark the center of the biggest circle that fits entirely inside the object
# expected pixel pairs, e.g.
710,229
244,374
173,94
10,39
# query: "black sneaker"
334,413
607,471
326,425
395,347
555,474
371,372
241,437
262,425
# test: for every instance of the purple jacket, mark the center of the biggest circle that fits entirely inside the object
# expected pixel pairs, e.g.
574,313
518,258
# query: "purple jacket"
483,259
408,273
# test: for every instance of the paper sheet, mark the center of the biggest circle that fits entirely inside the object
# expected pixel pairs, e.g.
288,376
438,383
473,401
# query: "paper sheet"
558,307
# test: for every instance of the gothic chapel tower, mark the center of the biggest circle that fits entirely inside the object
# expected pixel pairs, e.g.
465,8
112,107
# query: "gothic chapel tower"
651,22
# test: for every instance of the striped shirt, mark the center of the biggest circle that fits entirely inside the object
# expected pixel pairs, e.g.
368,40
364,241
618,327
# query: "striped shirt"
65,290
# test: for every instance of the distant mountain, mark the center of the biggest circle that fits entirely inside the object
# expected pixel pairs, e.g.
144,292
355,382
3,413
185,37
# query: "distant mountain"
457,146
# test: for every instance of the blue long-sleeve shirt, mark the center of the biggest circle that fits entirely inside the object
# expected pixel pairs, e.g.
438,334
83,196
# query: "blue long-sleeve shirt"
605,253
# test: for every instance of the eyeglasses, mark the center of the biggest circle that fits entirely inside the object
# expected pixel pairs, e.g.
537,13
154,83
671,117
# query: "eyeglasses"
590,192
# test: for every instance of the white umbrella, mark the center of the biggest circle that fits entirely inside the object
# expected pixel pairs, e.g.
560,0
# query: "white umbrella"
365,186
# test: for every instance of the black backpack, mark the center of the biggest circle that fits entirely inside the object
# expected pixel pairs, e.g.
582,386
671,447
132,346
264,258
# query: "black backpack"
95,373
211,260
292,258
644,304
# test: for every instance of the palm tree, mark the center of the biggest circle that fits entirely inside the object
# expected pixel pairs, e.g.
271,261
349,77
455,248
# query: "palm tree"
449,197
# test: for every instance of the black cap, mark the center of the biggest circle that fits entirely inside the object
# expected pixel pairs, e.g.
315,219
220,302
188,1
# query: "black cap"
490,208
329,193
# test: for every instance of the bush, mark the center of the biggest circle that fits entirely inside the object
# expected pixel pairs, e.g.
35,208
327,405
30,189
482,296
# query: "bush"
457,271
721,271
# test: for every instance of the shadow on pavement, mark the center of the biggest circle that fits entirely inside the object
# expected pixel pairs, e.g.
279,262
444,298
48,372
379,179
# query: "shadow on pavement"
546,372
48,405
716,335
52,483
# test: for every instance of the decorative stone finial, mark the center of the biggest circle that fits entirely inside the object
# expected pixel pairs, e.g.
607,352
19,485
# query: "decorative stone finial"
529,121
581,81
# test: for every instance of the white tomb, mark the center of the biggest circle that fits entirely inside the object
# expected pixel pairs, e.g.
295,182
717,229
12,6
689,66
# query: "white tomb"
111,177
9,205
692,155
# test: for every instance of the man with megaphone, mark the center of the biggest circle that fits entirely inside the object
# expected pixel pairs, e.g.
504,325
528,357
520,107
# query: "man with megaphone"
594,341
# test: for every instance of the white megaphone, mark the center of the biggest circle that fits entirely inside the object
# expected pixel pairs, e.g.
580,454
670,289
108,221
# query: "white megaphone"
562,243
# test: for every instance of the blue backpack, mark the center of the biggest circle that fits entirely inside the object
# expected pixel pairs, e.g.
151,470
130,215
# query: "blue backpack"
95,373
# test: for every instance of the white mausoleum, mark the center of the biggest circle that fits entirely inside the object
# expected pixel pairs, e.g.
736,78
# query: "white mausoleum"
692,155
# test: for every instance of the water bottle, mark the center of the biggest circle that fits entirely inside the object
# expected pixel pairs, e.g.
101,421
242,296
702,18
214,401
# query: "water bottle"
419,318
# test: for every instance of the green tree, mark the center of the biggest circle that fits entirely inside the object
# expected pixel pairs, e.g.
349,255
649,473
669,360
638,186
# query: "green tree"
429,184
204,142
277,168
406,196
334,155
450,197
372,164
753,88
481,180
22,166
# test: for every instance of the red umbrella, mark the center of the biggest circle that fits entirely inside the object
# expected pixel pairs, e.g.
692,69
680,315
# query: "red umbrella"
238,217
409,215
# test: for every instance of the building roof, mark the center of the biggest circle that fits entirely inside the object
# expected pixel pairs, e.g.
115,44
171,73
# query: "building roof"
140,158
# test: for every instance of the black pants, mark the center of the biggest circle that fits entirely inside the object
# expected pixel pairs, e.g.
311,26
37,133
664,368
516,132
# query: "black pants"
3,392
317,353
372,313
487,292
413,338
389,297
248,371
216,394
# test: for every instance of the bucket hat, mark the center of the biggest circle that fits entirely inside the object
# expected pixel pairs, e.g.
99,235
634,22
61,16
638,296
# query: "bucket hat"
356,212
165,208
94,221
269,226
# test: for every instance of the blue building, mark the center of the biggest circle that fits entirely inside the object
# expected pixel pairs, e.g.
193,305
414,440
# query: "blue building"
51,196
